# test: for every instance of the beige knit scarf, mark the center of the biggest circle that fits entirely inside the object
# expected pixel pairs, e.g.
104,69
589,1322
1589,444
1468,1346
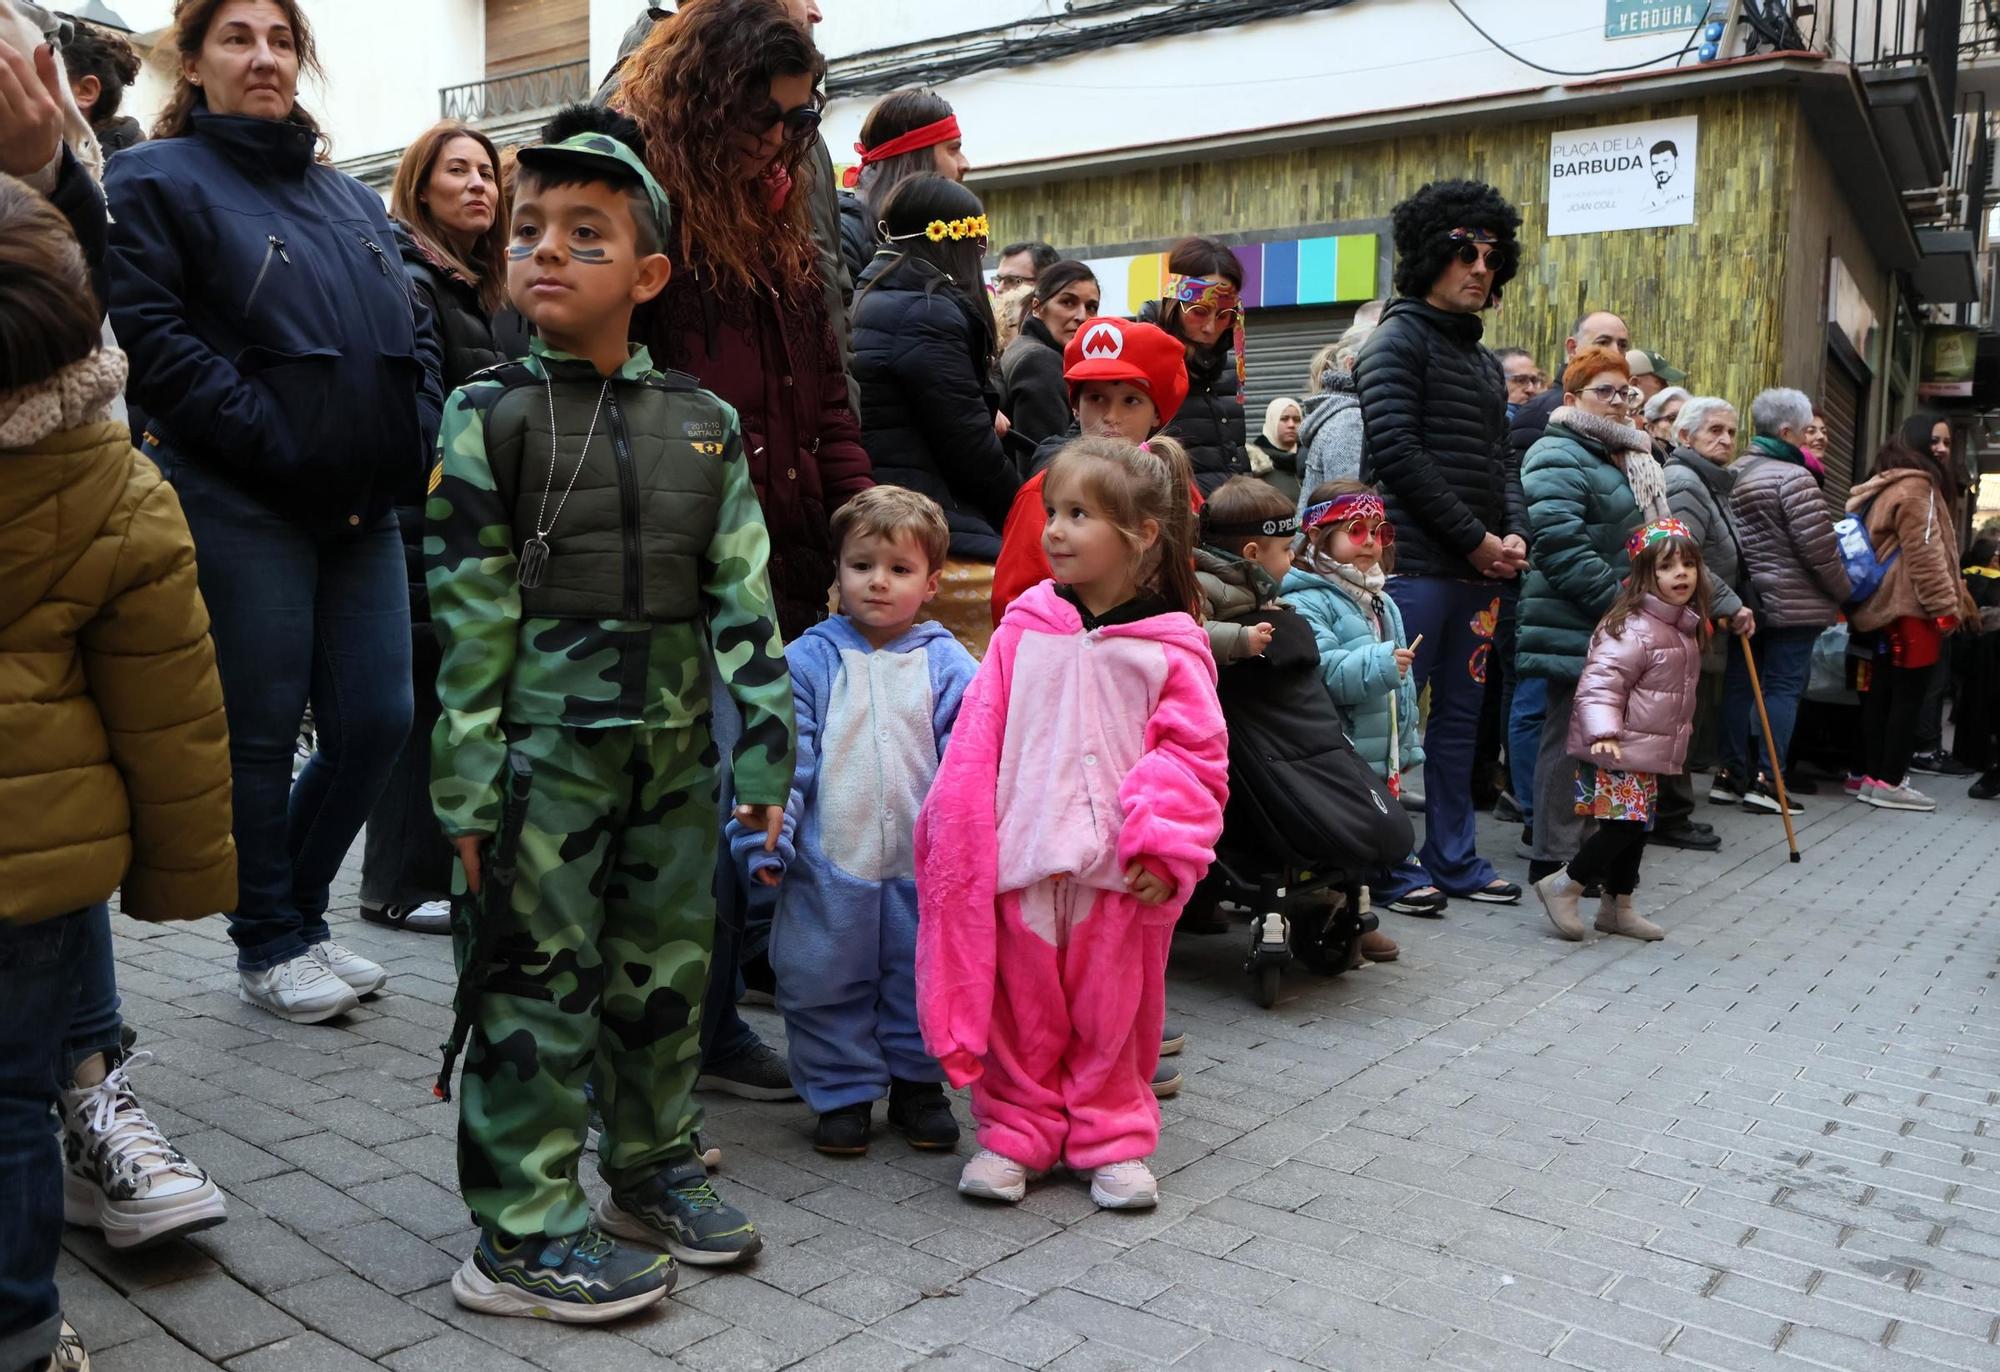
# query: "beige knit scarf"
1628,449
79,394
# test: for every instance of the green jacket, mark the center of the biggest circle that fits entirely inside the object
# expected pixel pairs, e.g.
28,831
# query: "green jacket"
1580,511
659,551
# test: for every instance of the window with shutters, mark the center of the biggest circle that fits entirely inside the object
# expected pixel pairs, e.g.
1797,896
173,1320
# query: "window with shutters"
1843,404
525,35
1278,347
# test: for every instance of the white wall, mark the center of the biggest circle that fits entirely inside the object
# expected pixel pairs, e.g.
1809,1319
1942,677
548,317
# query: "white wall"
1370,56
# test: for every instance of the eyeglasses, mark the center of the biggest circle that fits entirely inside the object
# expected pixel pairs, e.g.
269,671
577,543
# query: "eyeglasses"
1202,314
1618,397
1007,281
801,124
1362,529
1497,259
1526,380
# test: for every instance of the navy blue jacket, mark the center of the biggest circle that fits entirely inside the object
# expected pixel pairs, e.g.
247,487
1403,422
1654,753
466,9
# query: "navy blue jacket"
921,355
274,338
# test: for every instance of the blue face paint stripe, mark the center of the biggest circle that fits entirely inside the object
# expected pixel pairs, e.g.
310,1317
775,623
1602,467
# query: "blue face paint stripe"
591,257
517,252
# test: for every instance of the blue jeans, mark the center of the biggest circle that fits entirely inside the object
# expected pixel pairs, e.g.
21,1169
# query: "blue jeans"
1524,734
47,969
1406,876
1784,663
1455,619
299,618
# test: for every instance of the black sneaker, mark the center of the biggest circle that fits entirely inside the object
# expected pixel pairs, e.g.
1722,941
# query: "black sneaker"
578,1279
1939,764
1687,836
1498,891
1726,789
1987,787
678,1210
1762,799
1426,902
756,1073
1166,1079
923,1112
844,1132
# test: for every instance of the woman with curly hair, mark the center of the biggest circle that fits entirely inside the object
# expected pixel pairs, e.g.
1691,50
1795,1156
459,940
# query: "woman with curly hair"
1434,411
100,65
725,97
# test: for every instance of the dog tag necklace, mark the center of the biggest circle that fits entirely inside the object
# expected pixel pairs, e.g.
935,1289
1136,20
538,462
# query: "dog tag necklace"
535,552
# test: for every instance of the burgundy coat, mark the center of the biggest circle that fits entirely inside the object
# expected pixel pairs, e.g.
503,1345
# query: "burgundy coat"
774,358
1639,689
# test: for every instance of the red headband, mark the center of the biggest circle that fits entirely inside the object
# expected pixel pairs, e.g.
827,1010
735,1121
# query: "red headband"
929,136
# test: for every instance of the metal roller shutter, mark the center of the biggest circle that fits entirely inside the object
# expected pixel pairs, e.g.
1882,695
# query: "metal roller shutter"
1280,345
1841,407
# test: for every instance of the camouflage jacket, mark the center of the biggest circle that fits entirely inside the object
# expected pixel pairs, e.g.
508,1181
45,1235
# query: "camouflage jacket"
657,544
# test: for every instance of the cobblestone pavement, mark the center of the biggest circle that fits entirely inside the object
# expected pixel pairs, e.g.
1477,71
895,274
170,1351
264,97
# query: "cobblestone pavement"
1762,1144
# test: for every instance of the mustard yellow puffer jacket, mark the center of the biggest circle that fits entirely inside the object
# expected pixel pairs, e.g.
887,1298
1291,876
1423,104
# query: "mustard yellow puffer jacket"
114,755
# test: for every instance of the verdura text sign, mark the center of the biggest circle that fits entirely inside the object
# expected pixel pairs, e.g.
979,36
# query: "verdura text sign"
1642,18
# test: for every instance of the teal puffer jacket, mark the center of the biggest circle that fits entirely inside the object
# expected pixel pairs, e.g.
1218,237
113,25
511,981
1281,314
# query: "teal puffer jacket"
1580,512
1359,667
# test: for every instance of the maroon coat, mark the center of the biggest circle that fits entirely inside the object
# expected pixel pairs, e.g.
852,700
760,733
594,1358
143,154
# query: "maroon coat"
774,359
1639,689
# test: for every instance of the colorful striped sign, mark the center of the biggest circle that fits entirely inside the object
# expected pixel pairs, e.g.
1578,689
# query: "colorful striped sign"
1296,271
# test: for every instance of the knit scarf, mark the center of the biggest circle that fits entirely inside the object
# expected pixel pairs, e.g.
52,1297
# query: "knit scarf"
79,394
1629,450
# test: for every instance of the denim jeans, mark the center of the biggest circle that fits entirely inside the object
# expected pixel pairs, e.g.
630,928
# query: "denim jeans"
300,617
1784,662
1455,620
1524,737
406,859
44,970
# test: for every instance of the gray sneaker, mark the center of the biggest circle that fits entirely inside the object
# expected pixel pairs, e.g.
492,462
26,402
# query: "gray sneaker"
679,1210
756,1073
577,1279
1904,797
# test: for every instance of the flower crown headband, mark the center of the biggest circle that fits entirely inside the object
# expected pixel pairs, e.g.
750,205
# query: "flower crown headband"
957,230
1645,538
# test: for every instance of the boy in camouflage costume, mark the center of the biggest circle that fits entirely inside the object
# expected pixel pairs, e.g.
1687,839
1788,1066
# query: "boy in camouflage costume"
591,522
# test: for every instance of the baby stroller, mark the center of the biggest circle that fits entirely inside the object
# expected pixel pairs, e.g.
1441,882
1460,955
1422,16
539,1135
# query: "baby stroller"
1307,821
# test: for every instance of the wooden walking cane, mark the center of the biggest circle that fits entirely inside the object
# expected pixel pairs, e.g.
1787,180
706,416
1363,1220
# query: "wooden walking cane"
1771,748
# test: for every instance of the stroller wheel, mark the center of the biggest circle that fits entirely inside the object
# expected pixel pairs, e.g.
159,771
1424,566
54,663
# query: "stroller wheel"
1264,990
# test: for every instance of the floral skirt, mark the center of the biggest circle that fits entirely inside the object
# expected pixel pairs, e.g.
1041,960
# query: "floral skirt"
1605,794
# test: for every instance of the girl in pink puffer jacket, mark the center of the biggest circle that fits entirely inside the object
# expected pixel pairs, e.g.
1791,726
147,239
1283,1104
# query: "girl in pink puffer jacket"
1633,717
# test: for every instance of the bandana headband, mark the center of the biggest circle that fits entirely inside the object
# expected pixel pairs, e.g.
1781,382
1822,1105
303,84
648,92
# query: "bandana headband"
1645,538
1354,505
1472,236
929,136
1250,528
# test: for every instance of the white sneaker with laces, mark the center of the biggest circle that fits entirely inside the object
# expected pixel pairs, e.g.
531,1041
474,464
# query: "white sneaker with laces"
1127,1185
989,1175
365,977
301,991
1904,797
120,1175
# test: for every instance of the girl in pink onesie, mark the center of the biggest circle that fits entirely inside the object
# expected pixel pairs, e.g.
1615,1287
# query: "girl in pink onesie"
1072,816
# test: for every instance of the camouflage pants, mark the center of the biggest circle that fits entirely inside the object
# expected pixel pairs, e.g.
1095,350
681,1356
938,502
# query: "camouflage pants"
596,977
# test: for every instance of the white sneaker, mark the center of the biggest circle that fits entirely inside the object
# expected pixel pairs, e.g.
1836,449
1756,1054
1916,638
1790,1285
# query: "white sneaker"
363,976
1125,1185
1904,797
301,990
992,1177
120,1175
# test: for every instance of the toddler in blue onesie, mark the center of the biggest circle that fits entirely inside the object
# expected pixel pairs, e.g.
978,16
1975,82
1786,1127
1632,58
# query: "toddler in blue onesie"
875,694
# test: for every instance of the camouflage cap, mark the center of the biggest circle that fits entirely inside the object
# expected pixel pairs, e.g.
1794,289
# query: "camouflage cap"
601,152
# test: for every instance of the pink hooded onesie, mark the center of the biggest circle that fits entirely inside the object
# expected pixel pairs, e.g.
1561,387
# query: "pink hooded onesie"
1039,980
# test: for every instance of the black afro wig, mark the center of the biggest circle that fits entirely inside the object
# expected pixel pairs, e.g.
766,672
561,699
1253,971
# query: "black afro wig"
1423,233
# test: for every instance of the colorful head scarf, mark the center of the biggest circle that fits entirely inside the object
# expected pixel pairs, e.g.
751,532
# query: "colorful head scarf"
1644,538
1343,508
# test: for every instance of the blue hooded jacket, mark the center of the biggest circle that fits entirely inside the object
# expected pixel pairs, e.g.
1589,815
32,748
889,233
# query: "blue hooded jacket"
1359,667
273,336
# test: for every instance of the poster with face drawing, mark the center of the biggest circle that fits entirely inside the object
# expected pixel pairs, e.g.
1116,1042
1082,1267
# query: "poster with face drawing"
1623,176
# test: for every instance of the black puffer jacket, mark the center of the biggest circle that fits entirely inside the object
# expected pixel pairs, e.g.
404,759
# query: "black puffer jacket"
1210,424
857,236
1434,405
1033,394
465,335
921,356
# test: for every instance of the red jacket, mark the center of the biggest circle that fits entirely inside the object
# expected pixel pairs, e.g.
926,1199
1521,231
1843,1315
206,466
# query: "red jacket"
1021,563
774,359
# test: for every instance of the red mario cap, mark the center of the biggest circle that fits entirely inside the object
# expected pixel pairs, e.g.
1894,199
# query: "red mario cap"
1123,350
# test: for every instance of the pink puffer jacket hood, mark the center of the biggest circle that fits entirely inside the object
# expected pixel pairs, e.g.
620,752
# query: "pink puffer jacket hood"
1638,688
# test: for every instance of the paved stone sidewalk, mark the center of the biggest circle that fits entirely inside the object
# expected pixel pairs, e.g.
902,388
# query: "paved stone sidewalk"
1762,1144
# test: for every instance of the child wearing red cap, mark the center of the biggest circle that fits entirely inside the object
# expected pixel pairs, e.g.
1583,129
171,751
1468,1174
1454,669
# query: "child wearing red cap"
1126,380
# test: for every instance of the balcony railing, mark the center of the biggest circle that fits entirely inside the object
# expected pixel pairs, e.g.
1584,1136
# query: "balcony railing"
517,93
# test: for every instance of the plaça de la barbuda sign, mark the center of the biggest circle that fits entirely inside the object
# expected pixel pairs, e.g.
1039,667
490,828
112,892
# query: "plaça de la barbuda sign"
1623,176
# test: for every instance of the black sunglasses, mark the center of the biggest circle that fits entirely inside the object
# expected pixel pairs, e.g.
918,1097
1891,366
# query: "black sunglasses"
801,124
1497,258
